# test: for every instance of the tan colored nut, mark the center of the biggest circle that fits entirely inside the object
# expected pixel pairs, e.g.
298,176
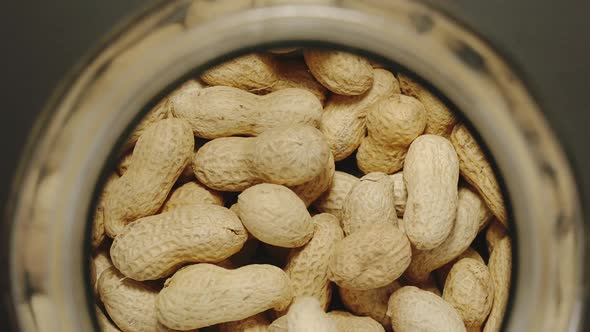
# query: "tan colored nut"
307,267
204,294
289,156
371,257
305,315
104,322
470,211
332,200
470,289
495,232
429,285
476,169
192,193
443,272
263,73
431,173
154,247
186,175
400,193
372,302
221,111
275,215
98,223
341,72
440,119
370,201
256,323
392,124
412,309
500,266
161,153
314,188
101,261
129,303
344,118
347,322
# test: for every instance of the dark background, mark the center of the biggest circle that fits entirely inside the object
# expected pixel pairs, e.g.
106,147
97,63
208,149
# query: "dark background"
547,41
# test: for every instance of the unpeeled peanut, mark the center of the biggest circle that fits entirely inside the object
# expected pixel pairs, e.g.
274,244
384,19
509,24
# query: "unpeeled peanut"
101,261
204,294
221,111
371,257
289,156
400,193
154,247
412,309
332,201
443,272
476,169
371,302
344,119
341,72
105,324
500,266
370,201
305,315
310,191
431,174
160,155
275,215
470,289
392,124
98,222
191,193
256,323
429,284
347,322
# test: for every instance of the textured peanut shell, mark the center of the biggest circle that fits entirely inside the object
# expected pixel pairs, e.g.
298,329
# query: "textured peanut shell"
192,193
204,294
154,247
412,309
306,315
470,289
400,194
341,72
160,155
307,266
371,257
500,266
263,73
431,174
126,160
429,284
344,117
443,272
101,261
103,321
314,188
371,302
289,156
347,322
470,211
476,169
370,201
256,323
221,111
275,215
98,222
392,124
440,119
332,201
129,303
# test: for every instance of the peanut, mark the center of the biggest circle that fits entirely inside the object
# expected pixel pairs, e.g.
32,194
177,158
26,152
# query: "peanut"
104,323
431,174
332,201
477,170
204,294
101,261
314,188
470,211
186,175
440,120
412,309
256,323
192,193
400,195
371,302
344,118
307,266
161,153
283,155
221,111
392,124
470,289
305,315
275,215
370,201
371,257
341,72
443,272
263,72
500,266
189,234
347,322
429,285
98,222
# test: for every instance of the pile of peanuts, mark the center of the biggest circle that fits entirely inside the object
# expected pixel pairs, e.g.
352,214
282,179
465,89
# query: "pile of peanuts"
306,191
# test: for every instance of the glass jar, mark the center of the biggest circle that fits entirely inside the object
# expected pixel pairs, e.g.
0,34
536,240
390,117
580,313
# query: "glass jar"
73,141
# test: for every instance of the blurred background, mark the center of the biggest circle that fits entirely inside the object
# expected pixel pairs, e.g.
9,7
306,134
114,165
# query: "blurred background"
546,41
